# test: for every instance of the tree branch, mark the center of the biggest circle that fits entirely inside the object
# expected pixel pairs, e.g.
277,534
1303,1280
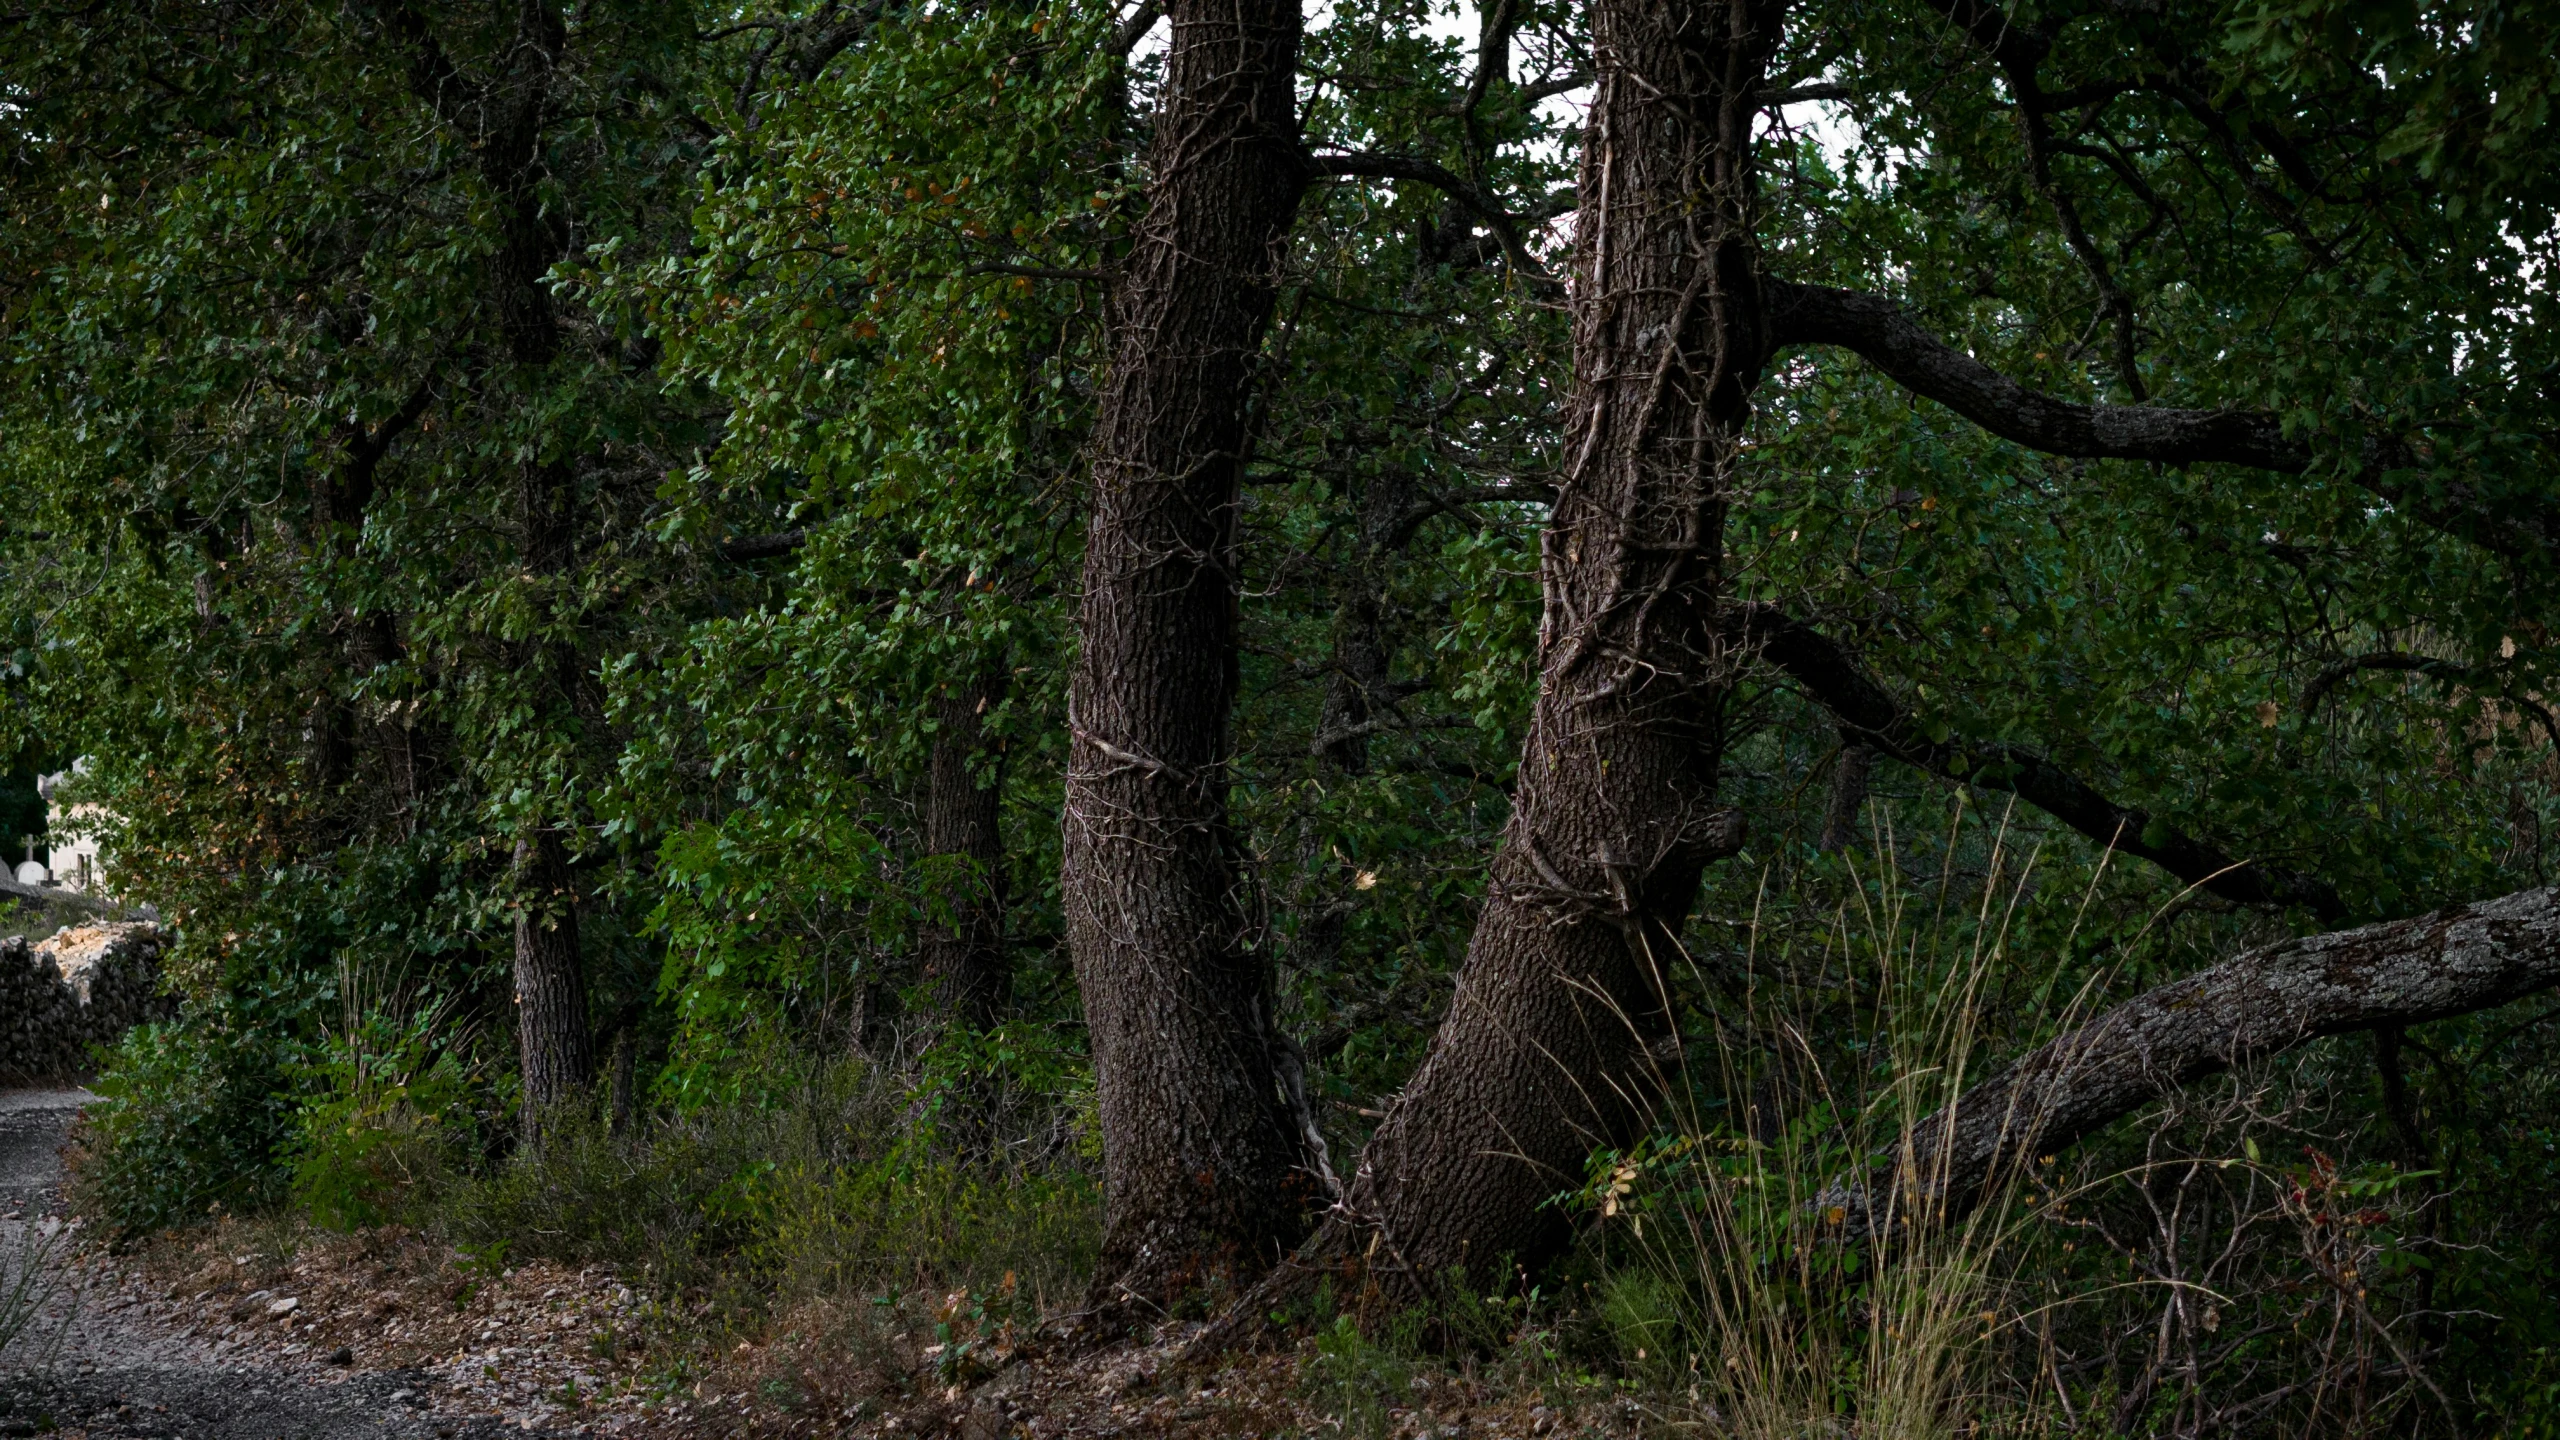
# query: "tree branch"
2254,1005
1037,272
1135,28
1869,715
1796,94
830,40
1882,332
763,547
2338,674
433,77
366,449
1361,164
1383,724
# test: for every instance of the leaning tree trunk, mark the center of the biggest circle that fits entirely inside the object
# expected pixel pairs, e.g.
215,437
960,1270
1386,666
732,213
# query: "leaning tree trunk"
2254,1005
1202,1167
1543,1053
963,940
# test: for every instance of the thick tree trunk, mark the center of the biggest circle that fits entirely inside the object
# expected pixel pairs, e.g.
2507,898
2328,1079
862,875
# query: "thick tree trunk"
1201,1163
1543,1053
963,941
552,1040
2403,973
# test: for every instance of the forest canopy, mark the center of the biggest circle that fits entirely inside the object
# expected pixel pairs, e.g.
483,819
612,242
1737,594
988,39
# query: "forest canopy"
1334,650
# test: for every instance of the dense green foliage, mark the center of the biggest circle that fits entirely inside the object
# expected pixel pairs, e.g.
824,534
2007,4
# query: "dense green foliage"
834,285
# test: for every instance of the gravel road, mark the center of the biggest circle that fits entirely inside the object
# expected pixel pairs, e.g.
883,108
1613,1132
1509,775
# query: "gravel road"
104,1361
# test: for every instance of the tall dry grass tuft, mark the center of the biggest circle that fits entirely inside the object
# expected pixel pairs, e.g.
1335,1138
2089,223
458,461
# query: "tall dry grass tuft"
26,1287
1774,1274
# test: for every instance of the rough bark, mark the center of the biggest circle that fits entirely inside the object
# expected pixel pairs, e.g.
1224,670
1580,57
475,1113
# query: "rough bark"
1202,1166
963,934
1869,715
2405,972
552,1040
553,1037
1543,1053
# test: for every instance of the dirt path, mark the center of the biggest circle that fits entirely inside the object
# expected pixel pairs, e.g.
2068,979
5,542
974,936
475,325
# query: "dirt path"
110,1360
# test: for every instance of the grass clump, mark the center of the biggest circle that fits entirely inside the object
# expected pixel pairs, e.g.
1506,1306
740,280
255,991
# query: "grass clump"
1739,1289
25,1284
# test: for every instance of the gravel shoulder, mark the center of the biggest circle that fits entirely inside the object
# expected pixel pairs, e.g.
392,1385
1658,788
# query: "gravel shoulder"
109,1357
248,1330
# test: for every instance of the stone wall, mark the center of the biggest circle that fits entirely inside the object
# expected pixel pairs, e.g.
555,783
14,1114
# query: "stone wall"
83,985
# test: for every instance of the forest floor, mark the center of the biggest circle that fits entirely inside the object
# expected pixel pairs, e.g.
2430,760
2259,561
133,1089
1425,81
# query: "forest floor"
253,1330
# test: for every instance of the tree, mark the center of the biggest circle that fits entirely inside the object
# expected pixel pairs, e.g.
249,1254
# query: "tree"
1567,981
1548,1050
1203,1165
371,493
540,499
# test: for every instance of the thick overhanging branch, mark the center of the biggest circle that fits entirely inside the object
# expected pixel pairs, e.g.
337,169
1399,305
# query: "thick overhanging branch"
2254,1005
1868,714
1880,331
1130,31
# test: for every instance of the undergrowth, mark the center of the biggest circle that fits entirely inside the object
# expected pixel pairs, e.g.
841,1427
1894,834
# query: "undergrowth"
2257,1255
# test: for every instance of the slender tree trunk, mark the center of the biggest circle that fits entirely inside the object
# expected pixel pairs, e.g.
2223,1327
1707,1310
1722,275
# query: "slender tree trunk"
553,1044
552,1034
1544,1052
1201,1162
963,941
624,1069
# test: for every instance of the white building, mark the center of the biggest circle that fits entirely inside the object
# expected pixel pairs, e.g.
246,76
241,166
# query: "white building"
75,860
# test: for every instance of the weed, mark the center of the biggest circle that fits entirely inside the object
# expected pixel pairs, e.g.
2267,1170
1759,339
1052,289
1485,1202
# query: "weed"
25,1282
1356,1383
393,1097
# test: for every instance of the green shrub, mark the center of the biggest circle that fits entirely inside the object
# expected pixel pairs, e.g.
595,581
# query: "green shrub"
840,1184
192,1118
1356,1382
392,1114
